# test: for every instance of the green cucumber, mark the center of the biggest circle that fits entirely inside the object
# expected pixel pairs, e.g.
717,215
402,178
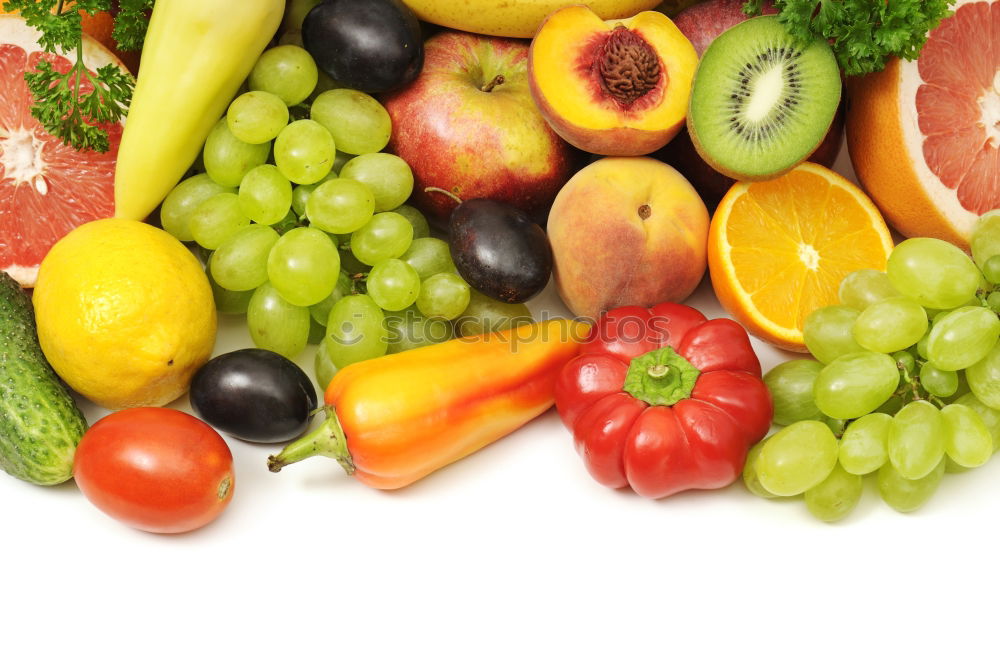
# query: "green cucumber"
40,424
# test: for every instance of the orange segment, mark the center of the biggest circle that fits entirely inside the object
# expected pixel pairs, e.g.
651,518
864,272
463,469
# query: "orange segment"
778,249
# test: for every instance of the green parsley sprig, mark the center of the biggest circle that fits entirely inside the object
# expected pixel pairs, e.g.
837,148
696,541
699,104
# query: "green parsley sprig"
863,33
61,105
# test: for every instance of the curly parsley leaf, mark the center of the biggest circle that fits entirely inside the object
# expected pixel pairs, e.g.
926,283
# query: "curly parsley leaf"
863,33
72,105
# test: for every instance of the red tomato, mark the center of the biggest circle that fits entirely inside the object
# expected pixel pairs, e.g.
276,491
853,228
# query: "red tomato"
155,469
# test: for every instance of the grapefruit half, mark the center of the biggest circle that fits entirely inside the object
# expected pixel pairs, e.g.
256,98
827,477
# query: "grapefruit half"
46,187
924,135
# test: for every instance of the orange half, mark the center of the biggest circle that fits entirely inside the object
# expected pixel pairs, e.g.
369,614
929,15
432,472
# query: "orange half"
779,249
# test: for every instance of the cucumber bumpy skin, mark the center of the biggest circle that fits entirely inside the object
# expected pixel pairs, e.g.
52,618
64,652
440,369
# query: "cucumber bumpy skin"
40,424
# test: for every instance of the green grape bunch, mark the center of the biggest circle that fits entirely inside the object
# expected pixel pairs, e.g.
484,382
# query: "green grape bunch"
905,383
62,104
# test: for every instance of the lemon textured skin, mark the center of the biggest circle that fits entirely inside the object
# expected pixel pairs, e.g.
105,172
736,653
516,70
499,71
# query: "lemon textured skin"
125,313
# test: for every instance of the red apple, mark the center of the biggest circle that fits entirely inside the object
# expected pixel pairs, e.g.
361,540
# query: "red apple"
468,125
703,22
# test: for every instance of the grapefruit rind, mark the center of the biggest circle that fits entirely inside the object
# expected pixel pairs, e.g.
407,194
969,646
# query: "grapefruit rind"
887,145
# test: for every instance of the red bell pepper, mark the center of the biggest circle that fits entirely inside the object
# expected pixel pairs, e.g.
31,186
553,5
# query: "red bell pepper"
664,400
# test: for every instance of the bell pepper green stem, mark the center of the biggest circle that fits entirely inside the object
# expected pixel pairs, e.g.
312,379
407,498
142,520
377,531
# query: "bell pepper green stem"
327,440
660,377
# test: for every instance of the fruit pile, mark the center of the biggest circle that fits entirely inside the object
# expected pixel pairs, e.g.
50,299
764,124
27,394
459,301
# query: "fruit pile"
395,191
306,227
905,377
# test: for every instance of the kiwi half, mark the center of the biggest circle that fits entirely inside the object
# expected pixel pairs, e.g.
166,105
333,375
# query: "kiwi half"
761,101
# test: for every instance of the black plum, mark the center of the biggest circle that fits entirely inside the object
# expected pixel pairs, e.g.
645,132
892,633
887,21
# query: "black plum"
368,45
499,249
254,394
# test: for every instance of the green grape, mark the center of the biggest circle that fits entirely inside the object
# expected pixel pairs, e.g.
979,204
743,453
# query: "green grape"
355,331
304,266
797,458
967,440
265,195
865,287
864,445
323,367
836,424
791,387
923,344
302,192
855,384
227,159
317,331
227,301
240,263
321,310
388,176
443,295
916,439
938,382
935,273
216,220
484,314
429,256
409,330
991,269
962,337
393,284
890,325
985,241
835,497
288,72
276,324
358,123
257,116
183,199
417,219
827,332
340,206
993,301
304,152
386,235
340,159
905,361
350,263
904,495
891,405
989,416
984,378
750,478
963,387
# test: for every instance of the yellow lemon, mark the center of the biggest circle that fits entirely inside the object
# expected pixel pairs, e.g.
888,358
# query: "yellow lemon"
125,313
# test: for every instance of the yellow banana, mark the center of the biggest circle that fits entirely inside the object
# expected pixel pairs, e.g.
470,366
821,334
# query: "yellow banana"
514,18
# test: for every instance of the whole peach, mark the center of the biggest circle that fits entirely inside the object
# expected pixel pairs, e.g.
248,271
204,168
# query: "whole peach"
627,230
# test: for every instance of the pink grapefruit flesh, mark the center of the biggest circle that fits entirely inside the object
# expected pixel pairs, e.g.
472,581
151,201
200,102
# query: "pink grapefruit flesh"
46,187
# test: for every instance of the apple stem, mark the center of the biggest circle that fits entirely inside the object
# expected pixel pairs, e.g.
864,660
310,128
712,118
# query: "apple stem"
439,190
644,212
497,80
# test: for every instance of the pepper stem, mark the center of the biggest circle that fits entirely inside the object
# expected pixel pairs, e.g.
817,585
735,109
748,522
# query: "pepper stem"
660,377
658,370
328,439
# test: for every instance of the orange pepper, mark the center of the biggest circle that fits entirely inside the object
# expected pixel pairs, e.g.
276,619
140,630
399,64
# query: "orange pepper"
395,419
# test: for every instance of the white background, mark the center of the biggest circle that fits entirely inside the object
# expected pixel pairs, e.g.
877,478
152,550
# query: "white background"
513,554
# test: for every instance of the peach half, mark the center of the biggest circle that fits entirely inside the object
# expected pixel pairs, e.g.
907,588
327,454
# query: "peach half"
618,87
